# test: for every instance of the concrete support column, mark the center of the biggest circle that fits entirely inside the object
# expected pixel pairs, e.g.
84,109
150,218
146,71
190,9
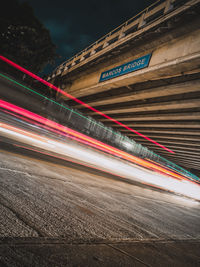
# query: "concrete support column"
93,50
58,72
142,21
105,44
82,58
168,6
73,62
121,33
65,68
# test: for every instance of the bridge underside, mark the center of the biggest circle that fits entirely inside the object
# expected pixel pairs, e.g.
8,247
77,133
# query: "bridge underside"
158,110
161,101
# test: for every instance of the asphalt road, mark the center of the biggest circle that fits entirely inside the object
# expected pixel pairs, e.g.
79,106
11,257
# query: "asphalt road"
55,213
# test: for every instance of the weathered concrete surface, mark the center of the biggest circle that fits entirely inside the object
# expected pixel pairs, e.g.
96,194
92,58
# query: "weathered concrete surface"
56,252
175,56
57,214
169,90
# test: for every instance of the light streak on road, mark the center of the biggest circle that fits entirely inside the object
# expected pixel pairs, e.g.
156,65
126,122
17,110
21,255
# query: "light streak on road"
80,102
95,159
91,141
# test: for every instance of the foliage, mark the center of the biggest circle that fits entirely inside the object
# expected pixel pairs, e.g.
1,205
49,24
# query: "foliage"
23,38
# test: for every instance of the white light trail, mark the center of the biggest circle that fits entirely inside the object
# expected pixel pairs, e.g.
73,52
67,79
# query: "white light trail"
96,159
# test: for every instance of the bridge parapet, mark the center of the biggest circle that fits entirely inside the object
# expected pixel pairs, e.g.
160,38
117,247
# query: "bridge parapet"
119,35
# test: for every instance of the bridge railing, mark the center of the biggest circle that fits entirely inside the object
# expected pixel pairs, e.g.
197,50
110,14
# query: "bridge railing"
145,17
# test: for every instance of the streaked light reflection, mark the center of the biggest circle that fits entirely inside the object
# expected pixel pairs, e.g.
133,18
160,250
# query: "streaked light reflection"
91,141
80,102
96,159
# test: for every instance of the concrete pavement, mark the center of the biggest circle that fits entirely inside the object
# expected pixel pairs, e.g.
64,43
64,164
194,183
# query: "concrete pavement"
54,213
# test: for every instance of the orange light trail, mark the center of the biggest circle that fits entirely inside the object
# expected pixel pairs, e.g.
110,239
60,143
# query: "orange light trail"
79,101
84,138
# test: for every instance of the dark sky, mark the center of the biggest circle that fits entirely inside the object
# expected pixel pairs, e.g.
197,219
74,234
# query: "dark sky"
76,24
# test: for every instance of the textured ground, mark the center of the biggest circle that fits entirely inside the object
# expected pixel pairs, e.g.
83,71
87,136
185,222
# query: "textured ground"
59,214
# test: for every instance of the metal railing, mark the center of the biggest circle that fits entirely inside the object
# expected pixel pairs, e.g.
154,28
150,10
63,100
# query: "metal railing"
145,17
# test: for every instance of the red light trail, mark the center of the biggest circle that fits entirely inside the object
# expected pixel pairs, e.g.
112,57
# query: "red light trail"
79,101
86,139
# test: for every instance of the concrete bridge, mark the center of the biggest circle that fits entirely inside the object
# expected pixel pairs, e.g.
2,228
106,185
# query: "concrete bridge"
145,74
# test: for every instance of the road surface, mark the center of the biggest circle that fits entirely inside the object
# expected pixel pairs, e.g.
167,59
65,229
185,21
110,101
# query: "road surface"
55,213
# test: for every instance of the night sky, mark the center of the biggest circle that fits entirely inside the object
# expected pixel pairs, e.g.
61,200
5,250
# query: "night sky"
75,24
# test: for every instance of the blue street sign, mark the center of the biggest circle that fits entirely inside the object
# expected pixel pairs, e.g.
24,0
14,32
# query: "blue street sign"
134,65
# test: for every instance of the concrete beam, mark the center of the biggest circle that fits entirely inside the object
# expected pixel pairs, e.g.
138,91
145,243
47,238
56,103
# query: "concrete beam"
190,157
169,105
189,165
194,163
184,159
164,132
178,155
173,147
175,125
178,158
163,70
157,117
170,90
165,142
184,152
182,162
168,137
176,148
